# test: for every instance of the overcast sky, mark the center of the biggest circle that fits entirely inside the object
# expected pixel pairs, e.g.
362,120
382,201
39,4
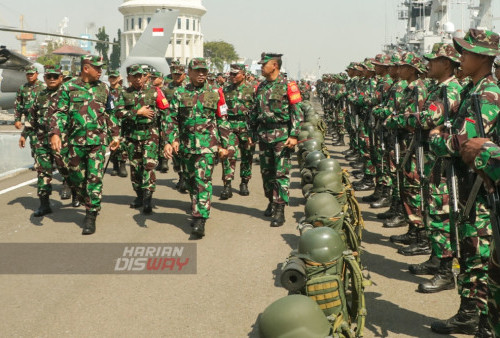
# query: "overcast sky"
325,33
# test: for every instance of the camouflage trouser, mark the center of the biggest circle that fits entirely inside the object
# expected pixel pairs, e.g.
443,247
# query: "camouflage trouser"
365,149
275,167
494,294
86,169
45,158
382,165
475,240
411,193
143,157
200,169
340,122
121,154
229,164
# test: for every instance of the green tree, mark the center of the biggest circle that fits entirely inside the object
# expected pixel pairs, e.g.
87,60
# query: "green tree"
218,52
47,58
114,59
101,47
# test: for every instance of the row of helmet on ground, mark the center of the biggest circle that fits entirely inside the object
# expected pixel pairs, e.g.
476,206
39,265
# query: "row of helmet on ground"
323,276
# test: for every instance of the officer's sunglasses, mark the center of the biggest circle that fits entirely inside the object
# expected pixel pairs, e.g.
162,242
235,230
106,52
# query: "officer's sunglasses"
52,76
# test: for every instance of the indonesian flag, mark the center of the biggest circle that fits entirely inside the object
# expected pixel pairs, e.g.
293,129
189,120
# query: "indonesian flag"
158,32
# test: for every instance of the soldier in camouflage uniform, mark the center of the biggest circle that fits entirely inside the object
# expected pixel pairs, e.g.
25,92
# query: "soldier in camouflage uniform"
144,107
84,112
168,78
276,120
120,156
239,99
178,79
157,81
197,127
36,128
478,49
442,63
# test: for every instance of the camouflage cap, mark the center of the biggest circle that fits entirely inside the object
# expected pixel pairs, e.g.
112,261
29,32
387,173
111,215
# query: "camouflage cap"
198,63
381,60
357,66
147,69
114,72
395,59
179,69
157,74
174,63
351,66
135,69
211,76
266,57
94,60
411,59
445,50
237,67
53,69
368,64
478,41
31,69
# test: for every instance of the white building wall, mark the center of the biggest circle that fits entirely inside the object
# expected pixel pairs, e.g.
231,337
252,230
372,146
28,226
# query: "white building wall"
187,40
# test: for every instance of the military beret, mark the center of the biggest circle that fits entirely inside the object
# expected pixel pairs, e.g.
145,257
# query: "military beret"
266,57
94,60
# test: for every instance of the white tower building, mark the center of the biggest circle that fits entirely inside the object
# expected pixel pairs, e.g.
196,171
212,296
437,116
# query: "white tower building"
187,39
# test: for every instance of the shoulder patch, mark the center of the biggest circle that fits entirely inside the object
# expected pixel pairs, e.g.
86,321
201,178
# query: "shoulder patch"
293,93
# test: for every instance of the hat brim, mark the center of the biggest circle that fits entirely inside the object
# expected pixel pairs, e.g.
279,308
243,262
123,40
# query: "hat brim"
433,56
199,67
460,44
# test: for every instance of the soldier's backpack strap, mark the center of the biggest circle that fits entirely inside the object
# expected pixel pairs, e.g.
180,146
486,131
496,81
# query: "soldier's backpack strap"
357,309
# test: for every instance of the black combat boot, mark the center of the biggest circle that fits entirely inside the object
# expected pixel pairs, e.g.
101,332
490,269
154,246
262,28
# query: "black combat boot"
89,222
353,157
392,209
335,136
164,166
340,141
181,185
244,187
66,191
420,247
385,199
377,193
442,280
116,167
484,330
147,203
347,152
44,208
198,226
429,267
399,219
122,169
356,165
465,321
138,201
407,238
358,174
279,216
269,212
227,192
75,203
365,184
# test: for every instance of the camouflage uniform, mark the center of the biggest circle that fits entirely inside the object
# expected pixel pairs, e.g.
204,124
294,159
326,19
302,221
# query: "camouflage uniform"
37,128
121,154
475,230
239,100
26,94
143,139
199,124
274,119
84,113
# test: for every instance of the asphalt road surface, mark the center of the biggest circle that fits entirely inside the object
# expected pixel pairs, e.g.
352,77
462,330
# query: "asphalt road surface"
238,266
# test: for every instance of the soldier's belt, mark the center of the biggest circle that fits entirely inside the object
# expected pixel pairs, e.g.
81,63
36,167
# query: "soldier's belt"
143,126
274,125
236,118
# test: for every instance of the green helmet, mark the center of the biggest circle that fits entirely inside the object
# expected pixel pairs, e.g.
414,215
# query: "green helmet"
328,181
308,127
294,316
318,136
310,145
303,135
321,245
307,189
307,109
322,206
329,164
313,158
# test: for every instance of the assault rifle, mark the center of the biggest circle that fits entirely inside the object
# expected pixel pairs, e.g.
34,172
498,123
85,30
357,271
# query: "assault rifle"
420,163
493,197
451,174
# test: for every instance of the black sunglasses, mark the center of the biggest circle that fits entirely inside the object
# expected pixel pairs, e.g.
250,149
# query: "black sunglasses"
52,76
